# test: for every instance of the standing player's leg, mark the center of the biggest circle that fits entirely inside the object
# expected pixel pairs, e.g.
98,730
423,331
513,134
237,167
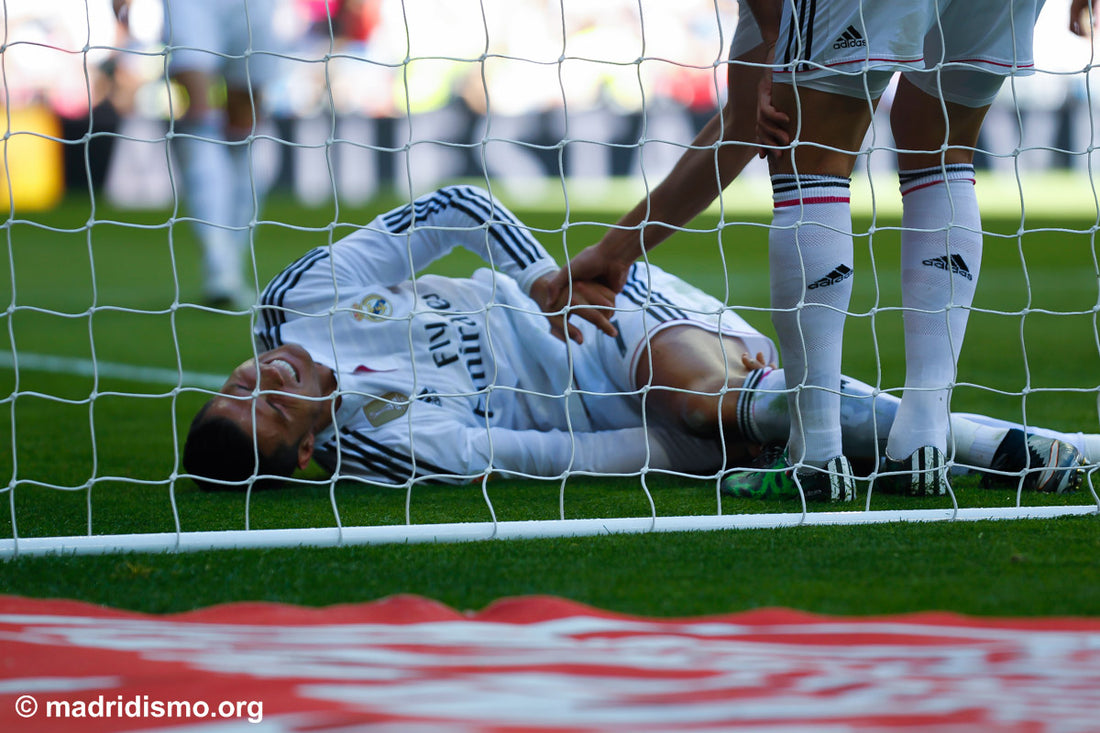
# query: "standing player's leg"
246,190
197,42
941,252
206,183
811,263
937,115
254,64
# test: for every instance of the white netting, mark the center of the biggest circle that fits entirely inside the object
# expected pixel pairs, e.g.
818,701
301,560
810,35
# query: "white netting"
568,112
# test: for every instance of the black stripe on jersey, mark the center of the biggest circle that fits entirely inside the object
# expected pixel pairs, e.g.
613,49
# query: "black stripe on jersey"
383,468
655,304
388,456
659,299
637,292
504,228
399,220
274,295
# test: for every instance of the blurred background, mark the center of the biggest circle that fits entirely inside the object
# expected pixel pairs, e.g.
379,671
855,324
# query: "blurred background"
385,94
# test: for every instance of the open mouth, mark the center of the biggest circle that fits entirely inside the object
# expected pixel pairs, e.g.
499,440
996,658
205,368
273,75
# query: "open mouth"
286,368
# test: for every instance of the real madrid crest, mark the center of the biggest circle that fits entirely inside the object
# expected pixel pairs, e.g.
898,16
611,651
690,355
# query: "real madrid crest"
374,307
389,406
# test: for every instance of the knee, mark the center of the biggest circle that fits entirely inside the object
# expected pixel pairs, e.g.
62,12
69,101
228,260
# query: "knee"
701,406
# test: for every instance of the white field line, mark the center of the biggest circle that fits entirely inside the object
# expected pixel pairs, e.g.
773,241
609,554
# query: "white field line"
110,370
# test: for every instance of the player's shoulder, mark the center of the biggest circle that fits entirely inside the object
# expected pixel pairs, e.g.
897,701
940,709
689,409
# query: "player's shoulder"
297,276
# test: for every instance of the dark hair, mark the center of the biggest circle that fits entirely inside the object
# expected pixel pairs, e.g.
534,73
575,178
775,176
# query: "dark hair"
217,449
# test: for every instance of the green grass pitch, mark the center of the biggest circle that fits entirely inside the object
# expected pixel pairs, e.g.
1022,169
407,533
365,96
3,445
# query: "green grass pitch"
88,282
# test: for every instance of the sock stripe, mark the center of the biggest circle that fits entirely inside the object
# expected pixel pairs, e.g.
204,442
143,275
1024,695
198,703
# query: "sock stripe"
745,405
813,200
915,180
793,190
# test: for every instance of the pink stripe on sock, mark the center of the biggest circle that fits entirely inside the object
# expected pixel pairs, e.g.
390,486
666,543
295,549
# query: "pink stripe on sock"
814,200
934,183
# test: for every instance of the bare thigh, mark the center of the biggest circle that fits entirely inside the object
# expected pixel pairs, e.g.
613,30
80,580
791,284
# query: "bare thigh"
930,132
693,376
829,129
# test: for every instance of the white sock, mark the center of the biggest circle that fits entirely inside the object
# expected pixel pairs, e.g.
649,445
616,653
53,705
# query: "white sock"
811,264
208,187
976,441
865,417
248,196
941,252
1088,444
763,417
987,441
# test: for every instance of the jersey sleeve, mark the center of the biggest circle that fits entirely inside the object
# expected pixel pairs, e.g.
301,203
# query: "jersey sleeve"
434,448
400,243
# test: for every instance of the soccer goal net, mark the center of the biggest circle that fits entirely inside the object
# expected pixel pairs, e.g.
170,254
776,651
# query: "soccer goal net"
190,184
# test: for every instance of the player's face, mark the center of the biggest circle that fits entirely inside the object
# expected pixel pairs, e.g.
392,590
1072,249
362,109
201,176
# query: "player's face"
286,390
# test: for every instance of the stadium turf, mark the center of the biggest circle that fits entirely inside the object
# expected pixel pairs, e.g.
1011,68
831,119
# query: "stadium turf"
101,448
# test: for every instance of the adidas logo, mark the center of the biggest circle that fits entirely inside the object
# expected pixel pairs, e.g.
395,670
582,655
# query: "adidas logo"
850,38
842,272
954,264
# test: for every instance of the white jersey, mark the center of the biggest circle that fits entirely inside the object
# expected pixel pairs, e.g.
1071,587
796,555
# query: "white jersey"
450,379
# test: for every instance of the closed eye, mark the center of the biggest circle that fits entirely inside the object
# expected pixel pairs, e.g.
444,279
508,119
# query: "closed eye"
243,389
278,410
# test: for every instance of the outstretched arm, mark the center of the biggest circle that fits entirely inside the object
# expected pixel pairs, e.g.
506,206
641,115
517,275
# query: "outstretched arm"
716,156
397,245
432,447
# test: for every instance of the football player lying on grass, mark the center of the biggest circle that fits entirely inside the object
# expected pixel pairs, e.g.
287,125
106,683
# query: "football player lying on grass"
380,374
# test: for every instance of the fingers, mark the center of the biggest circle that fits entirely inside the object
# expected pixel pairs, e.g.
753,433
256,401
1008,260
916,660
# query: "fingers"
560,326
594,303
771,128
586,287
556,285
598,317
752,363
772,125
591,301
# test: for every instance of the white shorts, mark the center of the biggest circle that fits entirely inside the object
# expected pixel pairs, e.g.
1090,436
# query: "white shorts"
654,300
960,49
233,38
